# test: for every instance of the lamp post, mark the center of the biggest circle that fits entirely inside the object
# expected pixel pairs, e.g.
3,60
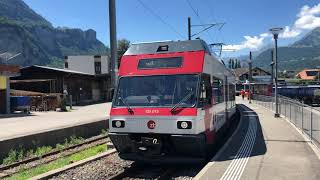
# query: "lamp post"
276,32
250,76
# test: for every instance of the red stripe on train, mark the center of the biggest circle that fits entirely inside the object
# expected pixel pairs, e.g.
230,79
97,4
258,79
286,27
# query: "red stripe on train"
153,112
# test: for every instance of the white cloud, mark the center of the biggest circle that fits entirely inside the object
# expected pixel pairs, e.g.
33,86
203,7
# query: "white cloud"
308,17
290,33
251,42
265,35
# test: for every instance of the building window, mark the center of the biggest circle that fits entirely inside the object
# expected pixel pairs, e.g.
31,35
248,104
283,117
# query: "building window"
97,67
66,65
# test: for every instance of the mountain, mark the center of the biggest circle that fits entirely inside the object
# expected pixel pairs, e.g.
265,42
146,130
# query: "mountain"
24,31
304,53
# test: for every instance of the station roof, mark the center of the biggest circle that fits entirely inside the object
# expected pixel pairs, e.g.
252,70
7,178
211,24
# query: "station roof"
57,70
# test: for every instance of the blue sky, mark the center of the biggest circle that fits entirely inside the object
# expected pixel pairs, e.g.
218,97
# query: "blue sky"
247,21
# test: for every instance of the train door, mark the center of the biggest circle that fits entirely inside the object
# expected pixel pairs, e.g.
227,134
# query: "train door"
205,105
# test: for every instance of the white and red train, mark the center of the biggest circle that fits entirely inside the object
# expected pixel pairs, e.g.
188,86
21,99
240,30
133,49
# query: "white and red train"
173,100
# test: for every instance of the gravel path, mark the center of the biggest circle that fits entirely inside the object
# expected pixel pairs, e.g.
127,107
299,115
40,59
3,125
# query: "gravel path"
101,169
111,165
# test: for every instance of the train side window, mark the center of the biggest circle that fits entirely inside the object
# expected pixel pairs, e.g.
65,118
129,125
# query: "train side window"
217,87
206,90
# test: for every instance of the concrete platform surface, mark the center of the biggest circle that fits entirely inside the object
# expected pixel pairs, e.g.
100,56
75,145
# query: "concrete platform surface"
264,148
38,122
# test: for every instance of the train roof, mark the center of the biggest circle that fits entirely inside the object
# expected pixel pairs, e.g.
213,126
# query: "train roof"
167,47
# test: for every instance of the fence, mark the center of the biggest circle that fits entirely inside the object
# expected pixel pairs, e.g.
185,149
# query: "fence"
304,117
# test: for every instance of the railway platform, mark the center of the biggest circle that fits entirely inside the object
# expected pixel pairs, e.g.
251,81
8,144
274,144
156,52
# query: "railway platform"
49,128
264,148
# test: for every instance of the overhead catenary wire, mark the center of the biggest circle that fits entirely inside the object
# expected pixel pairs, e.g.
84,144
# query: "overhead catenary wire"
198,16
160,18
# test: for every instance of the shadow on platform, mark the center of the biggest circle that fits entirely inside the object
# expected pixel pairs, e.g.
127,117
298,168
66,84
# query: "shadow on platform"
259,147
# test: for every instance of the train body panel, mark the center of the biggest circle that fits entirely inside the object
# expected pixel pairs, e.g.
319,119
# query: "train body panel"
173,98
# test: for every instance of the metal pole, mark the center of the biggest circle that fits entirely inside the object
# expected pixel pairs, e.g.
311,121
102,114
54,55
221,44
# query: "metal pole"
8,103
189,28
225,97
250,76
113,43
272,70
311,128
302,119
276,74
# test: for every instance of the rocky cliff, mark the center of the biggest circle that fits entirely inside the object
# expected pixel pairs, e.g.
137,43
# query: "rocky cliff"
24,31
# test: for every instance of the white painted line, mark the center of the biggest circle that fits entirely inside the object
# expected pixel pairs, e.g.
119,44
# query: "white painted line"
214,159
237,166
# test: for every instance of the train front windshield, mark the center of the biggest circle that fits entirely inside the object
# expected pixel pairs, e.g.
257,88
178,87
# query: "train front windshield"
157,91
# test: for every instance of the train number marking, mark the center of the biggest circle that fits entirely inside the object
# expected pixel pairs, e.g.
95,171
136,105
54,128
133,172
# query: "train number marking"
153,111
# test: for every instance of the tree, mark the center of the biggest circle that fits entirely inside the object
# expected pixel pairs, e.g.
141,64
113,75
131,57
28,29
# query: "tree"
123,45
229,63
232,63
239,65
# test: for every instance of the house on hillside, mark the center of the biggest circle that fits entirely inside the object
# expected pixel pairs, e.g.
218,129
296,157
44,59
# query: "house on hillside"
261,80
309,74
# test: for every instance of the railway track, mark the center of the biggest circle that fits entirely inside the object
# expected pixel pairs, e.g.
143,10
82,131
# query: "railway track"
8,170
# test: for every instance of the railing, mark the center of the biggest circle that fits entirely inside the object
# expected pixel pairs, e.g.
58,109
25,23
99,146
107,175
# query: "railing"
304,117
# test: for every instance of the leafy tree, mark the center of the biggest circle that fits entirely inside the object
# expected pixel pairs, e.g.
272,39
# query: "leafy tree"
238,64
229,63
232,63
123,45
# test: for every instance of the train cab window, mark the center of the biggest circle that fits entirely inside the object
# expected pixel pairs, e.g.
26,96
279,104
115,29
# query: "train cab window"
205,90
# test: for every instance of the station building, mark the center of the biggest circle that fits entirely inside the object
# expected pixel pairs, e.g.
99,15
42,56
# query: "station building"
86,78
262,80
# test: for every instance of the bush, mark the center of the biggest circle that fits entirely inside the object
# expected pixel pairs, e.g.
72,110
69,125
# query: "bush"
11,158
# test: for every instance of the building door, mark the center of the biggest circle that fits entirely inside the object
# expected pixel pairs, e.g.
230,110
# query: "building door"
2,101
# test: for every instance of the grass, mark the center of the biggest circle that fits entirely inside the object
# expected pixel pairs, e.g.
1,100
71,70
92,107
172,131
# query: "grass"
104,132
21,154
18,155
25,174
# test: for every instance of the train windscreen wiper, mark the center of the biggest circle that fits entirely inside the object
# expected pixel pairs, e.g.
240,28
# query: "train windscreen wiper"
187,97
126,103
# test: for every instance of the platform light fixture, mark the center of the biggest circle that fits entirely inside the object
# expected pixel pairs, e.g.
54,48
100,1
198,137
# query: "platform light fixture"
275,32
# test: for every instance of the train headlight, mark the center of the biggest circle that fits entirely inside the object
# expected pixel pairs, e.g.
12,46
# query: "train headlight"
118,124
184,125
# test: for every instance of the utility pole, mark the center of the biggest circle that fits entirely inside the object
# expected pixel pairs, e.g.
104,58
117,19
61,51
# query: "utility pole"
113,44
205,26
250,76
189,28
272,70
